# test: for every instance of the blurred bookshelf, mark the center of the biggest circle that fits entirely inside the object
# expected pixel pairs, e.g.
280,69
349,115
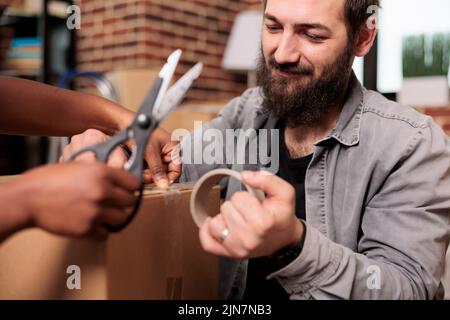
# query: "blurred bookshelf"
40,48
23,58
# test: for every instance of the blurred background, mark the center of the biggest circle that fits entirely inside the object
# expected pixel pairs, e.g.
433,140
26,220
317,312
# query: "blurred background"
119,45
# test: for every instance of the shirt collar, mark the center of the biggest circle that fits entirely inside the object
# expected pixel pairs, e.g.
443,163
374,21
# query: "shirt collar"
348,125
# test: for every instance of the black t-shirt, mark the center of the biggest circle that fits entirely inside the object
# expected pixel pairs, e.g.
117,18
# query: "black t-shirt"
294,172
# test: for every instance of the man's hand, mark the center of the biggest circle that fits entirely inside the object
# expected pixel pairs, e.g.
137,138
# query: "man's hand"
73,199
162,156
163,169
255,229
88,138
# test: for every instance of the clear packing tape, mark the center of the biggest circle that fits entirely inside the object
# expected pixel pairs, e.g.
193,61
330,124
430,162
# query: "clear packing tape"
174,228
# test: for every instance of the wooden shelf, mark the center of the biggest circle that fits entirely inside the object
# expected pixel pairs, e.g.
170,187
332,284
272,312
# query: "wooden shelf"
18,74
56,9
47,25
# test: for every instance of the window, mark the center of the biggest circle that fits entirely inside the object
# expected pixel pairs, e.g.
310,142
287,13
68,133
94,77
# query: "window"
358,68
400,18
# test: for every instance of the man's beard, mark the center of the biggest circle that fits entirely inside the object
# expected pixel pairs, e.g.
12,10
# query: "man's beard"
301,99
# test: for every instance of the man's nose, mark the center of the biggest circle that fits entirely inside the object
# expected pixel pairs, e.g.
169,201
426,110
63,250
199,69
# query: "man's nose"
288,50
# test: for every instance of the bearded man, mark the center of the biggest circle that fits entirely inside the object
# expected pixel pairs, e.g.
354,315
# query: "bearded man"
359,208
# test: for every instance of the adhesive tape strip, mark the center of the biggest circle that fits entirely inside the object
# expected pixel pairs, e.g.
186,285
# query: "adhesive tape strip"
199,197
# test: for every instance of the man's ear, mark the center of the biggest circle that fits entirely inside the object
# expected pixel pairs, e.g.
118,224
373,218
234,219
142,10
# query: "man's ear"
366,37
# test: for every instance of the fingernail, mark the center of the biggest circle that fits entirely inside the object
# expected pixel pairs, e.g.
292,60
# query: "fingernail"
163,184
246,175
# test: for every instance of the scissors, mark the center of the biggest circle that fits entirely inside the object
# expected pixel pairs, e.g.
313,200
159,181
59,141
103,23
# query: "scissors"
156,106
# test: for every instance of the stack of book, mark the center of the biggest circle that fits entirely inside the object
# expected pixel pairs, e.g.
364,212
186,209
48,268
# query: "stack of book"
24,57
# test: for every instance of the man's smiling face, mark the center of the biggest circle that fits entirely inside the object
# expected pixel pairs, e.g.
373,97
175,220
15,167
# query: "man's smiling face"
308,33
307,57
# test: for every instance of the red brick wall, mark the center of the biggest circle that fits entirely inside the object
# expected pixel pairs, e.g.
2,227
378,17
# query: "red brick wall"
252,4
11,2
440,115
141,33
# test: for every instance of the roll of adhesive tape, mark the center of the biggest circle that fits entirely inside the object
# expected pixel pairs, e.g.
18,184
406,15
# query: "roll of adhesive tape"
199,197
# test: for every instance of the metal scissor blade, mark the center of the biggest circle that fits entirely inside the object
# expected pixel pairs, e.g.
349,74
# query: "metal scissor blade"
177,92
150,104
166,74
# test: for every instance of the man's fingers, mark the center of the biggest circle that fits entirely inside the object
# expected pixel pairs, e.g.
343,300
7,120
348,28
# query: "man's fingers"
247,206
232,217
216,226
209,243
270,184
229,221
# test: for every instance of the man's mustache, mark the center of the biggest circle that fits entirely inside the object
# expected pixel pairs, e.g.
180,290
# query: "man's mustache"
292,68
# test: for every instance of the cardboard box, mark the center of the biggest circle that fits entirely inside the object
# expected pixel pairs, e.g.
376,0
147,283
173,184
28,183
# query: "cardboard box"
158,256
132,85
188,116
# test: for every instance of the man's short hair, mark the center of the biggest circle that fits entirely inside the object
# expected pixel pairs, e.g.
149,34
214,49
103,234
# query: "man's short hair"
356,14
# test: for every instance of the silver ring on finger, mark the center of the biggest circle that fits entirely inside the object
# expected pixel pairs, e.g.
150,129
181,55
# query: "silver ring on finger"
224,234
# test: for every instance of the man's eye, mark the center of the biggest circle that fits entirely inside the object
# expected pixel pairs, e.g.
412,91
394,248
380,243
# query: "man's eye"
315,38
273,28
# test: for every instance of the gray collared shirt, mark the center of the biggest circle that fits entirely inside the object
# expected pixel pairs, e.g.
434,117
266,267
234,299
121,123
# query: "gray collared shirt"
377,202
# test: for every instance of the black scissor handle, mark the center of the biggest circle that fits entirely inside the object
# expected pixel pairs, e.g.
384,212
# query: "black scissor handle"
102,152
137,204
140,131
